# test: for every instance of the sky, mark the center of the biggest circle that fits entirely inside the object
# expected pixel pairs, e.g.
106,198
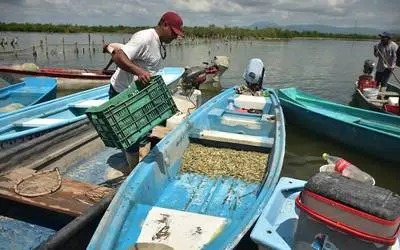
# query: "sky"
381,14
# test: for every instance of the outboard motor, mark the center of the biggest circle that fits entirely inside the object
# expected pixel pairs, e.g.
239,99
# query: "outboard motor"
190,78
369,66
254,74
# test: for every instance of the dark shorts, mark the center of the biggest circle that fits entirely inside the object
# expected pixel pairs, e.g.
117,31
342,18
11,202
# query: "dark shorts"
382,78
112,92
143,141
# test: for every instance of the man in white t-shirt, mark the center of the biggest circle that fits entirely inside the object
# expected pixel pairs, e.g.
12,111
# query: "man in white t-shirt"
141,57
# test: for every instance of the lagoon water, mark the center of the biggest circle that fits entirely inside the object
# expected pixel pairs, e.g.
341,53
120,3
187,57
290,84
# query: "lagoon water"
326,68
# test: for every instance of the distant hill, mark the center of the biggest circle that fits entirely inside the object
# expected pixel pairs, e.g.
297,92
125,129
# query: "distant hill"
264,25
319,28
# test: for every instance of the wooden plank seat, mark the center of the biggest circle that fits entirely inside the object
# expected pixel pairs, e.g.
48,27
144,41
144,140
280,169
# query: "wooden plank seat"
88,104
37,122
72,198
250,140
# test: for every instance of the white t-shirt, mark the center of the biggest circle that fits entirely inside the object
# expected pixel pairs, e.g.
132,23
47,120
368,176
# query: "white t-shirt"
144,50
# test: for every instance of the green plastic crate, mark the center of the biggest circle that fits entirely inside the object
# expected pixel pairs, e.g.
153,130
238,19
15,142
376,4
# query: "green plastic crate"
130,115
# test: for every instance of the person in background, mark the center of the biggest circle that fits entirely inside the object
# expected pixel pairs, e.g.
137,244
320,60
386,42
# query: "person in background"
139,58
385,50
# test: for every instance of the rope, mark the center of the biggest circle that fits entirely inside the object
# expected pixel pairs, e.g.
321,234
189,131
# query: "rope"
189,110
52,189
96,196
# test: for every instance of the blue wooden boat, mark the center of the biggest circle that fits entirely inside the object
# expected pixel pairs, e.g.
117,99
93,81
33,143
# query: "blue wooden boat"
23,124
67,218
31,91
159,204
371,132
275,229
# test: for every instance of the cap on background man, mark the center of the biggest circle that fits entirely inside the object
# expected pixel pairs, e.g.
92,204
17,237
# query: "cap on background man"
174,21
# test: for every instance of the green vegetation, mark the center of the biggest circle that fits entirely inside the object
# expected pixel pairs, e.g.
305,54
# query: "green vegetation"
210,32
65,28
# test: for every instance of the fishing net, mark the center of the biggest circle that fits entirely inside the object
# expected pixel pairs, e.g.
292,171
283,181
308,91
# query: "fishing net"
39,183
97,194
212,161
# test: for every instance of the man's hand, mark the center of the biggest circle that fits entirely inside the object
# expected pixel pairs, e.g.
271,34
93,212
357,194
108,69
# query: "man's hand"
105,47
144,77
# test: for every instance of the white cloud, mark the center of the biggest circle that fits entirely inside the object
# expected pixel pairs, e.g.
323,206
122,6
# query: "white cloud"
384,14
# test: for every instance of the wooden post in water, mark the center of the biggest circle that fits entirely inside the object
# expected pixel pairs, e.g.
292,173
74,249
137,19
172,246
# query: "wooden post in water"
34,53
63,45
76,48
93,49
47,49
102,40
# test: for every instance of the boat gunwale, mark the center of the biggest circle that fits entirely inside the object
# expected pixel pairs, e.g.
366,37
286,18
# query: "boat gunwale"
39,107
284,186
51,85
56,75
295,103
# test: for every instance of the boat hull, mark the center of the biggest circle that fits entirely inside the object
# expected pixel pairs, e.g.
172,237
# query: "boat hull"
27,93
79,154
56,113
63,83
379,144
156,186
69,149
275,229
30,122
363,102
67,79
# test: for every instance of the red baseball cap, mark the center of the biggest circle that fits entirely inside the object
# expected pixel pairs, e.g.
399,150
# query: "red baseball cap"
174,21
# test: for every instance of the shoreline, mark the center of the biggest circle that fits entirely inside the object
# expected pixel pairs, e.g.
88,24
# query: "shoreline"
190,38
212,32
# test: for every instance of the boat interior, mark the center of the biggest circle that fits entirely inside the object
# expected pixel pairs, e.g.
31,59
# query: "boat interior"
160,187
82,160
